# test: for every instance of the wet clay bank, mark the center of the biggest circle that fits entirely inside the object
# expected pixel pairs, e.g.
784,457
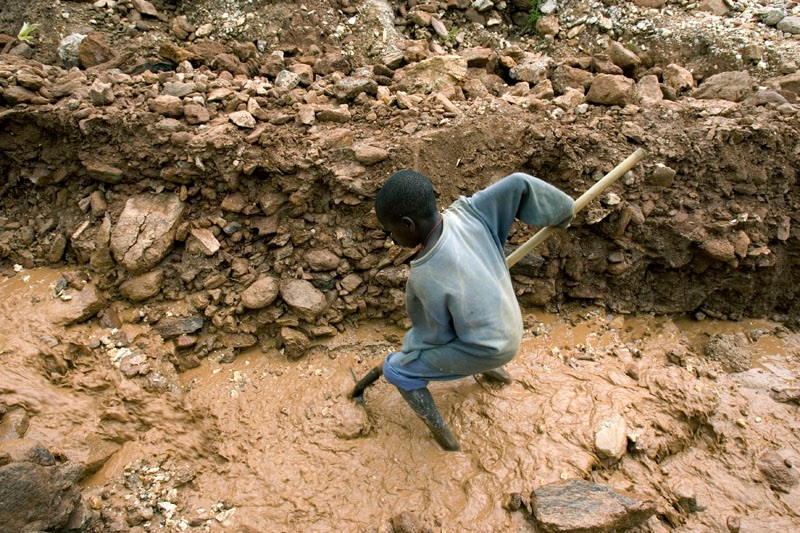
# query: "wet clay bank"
205,188
694,422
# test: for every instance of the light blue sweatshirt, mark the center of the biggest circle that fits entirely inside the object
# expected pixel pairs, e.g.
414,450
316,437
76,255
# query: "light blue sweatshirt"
464,313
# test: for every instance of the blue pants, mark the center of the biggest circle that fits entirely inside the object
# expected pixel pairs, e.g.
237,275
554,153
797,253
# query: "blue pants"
414,374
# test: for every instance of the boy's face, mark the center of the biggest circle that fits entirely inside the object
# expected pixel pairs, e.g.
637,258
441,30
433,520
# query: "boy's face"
402,231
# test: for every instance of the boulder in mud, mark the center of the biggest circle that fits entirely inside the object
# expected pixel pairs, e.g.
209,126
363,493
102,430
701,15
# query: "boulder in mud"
581,506
36,492
72,306
145,232
779,469
728,350
303,298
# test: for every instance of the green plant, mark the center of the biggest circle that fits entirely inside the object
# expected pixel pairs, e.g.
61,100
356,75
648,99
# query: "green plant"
26,31
533,15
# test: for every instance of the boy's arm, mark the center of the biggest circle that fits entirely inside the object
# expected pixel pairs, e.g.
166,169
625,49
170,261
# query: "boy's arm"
522,196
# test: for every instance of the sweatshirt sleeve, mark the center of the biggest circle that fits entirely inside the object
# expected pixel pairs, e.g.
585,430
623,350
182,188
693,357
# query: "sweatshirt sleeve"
522,196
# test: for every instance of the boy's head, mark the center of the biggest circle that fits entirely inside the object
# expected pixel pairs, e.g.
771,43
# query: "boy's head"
404,205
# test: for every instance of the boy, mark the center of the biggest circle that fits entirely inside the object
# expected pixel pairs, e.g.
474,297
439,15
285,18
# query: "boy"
463,310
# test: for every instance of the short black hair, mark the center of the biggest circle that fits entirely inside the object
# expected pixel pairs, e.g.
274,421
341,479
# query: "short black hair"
406,194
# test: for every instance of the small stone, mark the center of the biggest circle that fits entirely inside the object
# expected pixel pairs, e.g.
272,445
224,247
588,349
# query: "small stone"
243,119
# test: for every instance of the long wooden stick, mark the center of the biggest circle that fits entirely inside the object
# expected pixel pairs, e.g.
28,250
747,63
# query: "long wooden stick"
580,203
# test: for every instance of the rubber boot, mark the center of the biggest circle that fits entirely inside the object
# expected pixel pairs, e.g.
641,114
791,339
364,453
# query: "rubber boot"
497,374
421,402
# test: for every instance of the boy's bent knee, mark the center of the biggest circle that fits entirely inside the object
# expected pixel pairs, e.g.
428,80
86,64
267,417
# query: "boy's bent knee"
394,374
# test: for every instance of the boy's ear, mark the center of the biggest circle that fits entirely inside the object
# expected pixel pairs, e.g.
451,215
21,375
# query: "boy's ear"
409,223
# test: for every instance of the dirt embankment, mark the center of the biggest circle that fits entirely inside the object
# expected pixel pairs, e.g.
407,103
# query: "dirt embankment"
206,174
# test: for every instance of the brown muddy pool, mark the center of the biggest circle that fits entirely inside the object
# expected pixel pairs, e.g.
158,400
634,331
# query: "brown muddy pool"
268,444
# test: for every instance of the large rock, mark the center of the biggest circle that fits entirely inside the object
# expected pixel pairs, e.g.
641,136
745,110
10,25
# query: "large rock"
678,78
303,298
625,59
36,493
579,506
608,89
566,77
74,306
145,232
322,259
734,86
261,293
431,75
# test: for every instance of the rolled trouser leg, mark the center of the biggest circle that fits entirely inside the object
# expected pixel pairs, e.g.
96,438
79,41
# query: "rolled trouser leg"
421,402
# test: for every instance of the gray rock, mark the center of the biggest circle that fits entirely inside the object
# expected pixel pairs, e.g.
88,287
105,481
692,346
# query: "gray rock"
790,24
303,298
287,80
68,49
261,293
348,88
734,86
36,494
145,232
175,326
548,7
179,88
140,288
581,506
772,15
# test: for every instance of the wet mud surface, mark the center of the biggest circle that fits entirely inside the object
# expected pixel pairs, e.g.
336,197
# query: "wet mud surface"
266,444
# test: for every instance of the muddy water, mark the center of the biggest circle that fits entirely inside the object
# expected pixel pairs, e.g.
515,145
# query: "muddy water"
265,444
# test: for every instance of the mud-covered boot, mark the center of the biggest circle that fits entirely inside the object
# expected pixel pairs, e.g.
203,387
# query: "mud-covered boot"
497,374
421,402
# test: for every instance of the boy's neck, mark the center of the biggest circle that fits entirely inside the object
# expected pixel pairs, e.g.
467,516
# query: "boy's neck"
432,237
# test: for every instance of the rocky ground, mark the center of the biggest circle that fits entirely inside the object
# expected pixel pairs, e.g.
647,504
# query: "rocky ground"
202,173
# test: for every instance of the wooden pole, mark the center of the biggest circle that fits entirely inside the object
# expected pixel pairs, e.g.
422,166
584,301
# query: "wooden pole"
580,203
